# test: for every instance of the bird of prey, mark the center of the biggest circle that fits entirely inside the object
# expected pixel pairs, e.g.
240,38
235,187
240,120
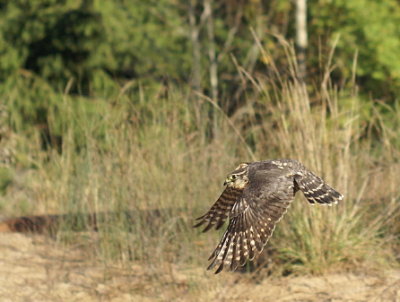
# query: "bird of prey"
256,197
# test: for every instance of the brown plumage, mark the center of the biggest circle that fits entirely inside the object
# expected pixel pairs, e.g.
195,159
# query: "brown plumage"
256,197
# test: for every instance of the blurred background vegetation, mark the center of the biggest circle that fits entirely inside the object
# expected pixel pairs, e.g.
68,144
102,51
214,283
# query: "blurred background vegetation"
114,105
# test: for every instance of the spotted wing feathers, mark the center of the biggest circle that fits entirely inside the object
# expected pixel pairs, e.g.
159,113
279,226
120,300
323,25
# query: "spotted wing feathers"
218,213
249,229
315,189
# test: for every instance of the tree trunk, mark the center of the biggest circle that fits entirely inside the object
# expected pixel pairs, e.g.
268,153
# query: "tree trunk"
301,36
211,50
196,56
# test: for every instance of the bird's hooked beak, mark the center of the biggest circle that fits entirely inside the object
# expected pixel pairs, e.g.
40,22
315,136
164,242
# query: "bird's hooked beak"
228,180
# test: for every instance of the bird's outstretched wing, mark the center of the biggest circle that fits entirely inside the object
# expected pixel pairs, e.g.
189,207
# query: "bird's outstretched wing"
250,227
219,211
253,218
315,189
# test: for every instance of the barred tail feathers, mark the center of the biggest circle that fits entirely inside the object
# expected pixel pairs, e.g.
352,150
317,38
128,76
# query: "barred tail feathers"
316,190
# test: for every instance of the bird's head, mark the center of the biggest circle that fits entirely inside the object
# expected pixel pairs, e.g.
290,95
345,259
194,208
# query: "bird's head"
238,178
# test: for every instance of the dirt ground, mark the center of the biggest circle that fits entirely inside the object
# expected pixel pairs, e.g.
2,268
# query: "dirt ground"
33,268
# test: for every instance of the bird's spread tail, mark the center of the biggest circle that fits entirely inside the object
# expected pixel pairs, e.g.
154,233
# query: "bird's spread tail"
316,190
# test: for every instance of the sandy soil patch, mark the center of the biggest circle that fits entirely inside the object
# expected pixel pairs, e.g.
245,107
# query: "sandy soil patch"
34,268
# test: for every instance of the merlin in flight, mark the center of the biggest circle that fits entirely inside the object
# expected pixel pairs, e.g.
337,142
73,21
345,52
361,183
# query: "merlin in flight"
256,197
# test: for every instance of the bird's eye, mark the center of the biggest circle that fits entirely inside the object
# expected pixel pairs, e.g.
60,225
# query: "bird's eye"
234,176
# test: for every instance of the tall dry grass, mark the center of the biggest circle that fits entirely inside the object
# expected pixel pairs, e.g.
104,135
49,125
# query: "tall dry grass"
154,149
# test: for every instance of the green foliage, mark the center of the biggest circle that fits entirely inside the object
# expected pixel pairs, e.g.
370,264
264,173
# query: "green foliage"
145,38
151,40
54,39
6,177
62,40
368,32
